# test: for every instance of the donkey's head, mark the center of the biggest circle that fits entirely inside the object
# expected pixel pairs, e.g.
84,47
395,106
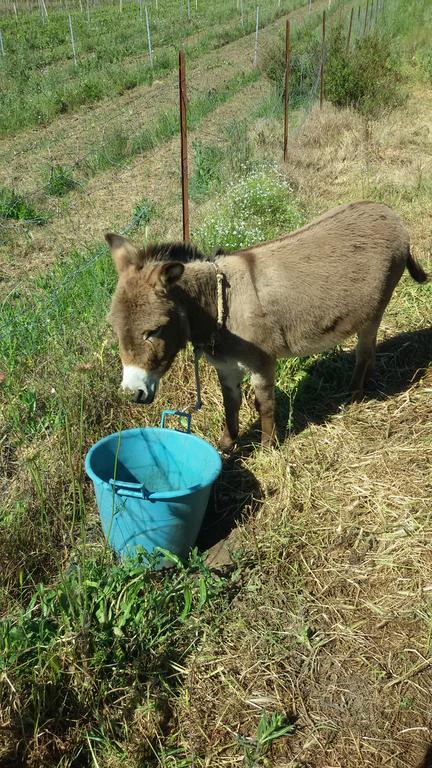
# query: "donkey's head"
151,326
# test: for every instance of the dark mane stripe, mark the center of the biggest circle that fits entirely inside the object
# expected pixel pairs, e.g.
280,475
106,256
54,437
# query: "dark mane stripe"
184,252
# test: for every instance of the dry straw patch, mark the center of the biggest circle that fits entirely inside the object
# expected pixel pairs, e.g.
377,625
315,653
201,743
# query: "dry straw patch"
333,625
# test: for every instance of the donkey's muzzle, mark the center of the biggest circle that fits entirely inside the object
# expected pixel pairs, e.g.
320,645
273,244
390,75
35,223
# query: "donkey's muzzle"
145,397
140,383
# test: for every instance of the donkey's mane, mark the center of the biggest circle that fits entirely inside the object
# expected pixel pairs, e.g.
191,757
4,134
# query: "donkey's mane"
184,252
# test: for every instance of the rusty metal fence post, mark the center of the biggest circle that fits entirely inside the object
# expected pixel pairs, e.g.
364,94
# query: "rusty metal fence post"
322,59
287,72
183,145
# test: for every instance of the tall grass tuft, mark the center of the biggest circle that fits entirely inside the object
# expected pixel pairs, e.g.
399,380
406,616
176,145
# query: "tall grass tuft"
60,181
15,206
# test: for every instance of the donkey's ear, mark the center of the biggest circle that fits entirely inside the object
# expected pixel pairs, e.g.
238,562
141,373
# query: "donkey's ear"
170,273
123,252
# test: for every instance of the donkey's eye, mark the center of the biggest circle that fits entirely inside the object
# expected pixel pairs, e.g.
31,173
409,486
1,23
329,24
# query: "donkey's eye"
149,335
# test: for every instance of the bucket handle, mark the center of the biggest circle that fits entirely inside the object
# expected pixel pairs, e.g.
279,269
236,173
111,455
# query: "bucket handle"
130,489
180,414
138,491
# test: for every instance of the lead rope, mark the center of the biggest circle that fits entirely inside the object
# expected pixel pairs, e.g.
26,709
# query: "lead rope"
198,350
197,356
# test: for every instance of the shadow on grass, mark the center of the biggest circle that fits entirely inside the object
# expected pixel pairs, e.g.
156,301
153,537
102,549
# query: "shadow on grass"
236,496
401,361
427,760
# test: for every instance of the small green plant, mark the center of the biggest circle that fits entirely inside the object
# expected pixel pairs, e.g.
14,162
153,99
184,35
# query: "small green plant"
406,702
270,728
143,213
60,181
15,206
208,159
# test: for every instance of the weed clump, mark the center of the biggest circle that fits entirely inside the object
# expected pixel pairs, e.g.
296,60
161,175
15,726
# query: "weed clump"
60,181
144,212
15,206
105,634
258,207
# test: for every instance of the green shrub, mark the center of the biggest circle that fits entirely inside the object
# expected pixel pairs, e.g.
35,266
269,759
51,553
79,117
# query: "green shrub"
60,181
367,77
15,206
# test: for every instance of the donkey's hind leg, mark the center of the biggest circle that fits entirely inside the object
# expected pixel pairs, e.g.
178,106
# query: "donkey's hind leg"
365,355
230,376
263,383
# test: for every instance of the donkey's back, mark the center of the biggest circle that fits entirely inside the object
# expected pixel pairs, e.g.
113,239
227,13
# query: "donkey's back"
327,280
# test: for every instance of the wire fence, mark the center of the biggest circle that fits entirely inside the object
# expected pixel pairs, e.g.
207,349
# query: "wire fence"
22,315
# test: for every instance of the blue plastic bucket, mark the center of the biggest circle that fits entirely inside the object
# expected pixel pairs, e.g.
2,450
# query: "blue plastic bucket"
152,487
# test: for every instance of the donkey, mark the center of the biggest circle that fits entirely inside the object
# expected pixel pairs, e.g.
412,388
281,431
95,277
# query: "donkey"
295,296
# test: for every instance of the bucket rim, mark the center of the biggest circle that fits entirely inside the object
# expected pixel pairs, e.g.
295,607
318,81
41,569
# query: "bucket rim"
157,495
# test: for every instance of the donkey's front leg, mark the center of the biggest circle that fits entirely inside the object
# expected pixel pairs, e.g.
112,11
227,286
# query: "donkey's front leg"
230,378
263,383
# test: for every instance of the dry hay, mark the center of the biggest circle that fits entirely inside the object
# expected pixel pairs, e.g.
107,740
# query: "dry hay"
334,622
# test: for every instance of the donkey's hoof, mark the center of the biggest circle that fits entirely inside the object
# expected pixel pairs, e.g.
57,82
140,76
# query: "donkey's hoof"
226,444
268,441
356,395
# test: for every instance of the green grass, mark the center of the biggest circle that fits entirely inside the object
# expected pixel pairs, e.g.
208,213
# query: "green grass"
120,146
207,161
101,630
15,206
60,181
111,52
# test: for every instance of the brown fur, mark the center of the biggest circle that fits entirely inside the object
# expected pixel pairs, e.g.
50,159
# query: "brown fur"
299,295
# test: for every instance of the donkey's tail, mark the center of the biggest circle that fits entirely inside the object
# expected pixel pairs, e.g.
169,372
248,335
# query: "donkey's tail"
416,271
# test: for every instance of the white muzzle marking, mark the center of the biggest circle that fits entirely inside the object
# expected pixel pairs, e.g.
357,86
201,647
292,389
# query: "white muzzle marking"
143,384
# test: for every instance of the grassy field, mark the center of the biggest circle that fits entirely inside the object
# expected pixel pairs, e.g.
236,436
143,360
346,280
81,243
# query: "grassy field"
312,649
112,52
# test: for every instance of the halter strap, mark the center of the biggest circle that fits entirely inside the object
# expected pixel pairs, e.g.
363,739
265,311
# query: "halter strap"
220,322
